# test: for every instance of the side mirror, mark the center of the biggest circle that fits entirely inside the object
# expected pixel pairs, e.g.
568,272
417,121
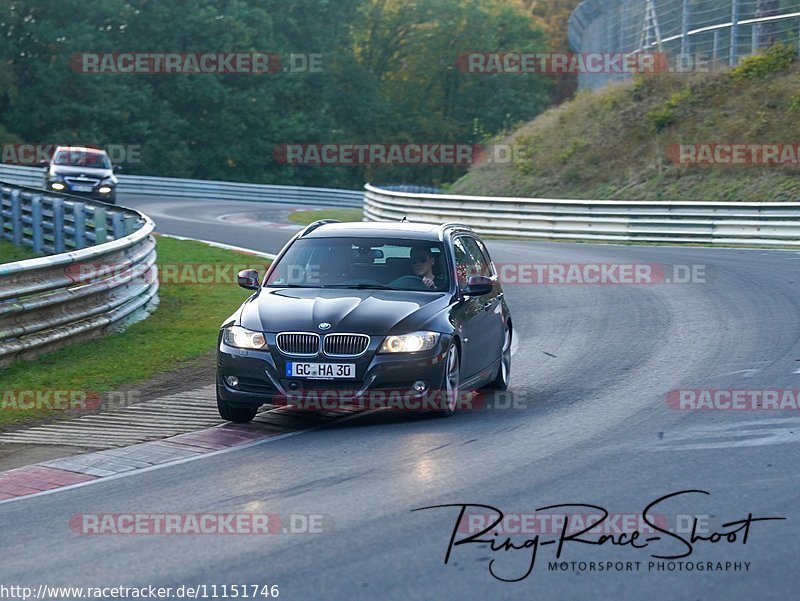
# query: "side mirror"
117,168
248,279
44,163
479,285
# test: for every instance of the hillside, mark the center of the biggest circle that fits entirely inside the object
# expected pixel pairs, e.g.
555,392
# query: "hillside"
616,143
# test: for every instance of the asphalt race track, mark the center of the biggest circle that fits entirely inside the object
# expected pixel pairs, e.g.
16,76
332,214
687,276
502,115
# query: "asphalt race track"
589,424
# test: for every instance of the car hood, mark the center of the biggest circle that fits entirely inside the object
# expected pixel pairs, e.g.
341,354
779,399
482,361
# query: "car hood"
90,171
374,312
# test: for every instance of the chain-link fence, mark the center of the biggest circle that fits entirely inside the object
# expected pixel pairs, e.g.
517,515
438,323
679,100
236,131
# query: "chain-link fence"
694,34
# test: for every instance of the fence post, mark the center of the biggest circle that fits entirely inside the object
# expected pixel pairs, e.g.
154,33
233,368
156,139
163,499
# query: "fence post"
685,29
734,57
16,218
37,233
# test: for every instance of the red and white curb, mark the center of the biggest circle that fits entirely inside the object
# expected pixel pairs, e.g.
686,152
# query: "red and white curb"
81,470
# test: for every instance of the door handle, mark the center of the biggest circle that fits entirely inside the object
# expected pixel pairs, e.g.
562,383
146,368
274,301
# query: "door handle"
489,305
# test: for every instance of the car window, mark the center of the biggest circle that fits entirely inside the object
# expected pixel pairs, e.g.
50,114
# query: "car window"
470,260
76,158
486,257
365,262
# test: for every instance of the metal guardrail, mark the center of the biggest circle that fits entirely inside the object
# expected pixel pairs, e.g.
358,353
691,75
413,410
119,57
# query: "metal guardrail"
697,35
724,223
167,187
410,188
103,278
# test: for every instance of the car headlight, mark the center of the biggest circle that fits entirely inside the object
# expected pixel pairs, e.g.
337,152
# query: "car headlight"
243,338
409,343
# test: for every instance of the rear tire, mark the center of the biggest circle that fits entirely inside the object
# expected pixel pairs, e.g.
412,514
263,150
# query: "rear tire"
235,413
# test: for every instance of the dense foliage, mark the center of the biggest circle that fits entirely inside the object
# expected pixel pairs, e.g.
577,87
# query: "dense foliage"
387,76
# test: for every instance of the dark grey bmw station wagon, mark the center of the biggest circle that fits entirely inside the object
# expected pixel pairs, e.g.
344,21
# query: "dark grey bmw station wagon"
366,307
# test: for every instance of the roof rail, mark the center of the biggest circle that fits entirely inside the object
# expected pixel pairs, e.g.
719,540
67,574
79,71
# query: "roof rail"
312,226
452,226
459,226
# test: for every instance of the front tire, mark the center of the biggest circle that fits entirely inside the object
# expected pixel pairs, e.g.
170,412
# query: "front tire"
450,386
503,378
235,413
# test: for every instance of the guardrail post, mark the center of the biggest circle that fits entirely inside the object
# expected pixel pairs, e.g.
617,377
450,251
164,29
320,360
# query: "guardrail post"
79,217
58,225
37,233
734,56
100,227
118,225
16,217
130,224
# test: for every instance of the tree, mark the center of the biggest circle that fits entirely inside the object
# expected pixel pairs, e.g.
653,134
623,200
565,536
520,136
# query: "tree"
553,17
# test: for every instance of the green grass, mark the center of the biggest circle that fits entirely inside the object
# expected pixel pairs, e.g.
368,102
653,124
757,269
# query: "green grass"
11,252
306,217
613,144
182,329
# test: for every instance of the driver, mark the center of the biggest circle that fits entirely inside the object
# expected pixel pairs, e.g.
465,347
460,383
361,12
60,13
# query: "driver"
423,264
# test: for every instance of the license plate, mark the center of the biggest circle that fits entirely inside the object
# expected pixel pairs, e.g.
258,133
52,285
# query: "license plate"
321,371
82,188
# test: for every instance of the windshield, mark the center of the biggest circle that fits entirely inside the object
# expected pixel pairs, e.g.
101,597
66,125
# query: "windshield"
77,158
392,264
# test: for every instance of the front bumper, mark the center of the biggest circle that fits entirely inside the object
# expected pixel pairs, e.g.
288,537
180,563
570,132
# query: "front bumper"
380,378
95,193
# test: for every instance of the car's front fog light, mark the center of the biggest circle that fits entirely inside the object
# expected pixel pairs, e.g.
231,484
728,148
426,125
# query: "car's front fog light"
420,386
232,381
57,186
410,343
243,338
104,190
